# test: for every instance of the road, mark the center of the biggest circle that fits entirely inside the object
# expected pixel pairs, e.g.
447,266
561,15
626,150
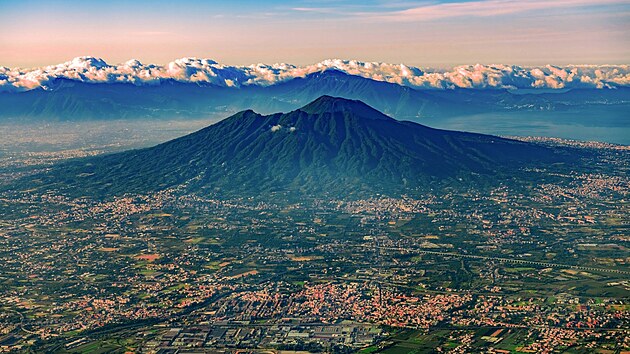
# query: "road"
507,260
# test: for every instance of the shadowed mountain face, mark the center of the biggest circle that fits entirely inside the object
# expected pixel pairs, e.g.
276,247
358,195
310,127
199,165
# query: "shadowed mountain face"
331,145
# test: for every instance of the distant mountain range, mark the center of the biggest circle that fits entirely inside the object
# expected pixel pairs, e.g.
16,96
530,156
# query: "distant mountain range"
330,146
67,99
208,72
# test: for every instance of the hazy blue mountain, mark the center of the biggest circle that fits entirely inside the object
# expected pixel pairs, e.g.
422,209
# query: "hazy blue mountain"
332,145
72,100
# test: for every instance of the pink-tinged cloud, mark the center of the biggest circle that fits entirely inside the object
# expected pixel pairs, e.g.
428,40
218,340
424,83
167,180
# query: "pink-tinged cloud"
487,8
206,71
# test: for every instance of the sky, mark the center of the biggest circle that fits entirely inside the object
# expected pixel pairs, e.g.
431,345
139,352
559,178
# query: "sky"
438,33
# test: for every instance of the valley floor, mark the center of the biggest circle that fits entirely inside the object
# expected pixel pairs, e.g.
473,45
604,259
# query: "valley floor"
515,268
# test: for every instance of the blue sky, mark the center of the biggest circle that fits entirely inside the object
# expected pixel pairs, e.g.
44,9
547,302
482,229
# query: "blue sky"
421,33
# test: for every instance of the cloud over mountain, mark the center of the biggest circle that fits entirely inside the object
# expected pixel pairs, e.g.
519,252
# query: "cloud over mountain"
206,71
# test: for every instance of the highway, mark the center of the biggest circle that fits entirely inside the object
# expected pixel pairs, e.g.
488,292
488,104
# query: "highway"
507,260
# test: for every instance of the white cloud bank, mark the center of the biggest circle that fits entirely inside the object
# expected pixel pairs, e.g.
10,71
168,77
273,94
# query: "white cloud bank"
193,70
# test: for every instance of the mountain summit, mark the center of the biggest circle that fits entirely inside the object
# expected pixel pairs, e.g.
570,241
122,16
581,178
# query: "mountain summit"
331,145
329,105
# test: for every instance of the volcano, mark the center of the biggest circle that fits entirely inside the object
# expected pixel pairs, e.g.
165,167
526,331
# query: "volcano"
331,145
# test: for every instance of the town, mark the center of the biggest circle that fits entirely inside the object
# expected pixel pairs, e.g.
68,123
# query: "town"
510,269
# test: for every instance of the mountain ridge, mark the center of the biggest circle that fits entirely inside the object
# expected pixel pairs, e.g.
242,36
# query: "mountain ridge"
76,101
